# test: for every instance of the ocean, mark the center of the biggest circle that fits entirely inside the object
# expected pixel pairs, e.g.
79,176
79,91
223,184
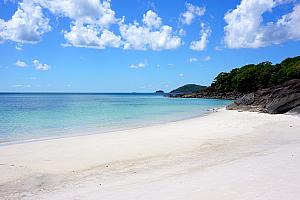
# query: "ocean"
35,116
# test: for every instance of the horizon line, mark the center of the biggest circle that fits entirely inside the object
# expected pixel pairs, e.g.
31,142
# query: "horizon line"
80,92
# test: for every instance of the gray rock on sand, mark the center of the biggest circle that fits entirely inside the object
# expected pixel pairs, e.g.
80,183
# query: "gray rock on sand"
275,100
294,111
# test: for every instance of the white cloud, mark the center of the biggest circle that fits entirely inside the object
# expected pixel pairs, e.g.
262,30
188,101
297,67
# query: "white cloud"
88,17
151,19
90,22
91,37
181,75
148,35
201,44
39,66
171,65
90,26
191,60
21,64
27,25
139,65
207,58
245,27
191,12
142,38
82,11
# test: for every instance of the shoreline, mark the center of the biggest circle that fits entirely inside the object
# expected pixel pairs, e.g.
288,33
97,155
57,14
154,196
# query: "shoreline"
166,161
150,124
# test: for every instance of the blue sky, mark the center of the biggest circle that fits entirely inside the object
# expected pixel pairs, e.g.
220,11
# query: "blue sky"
138,46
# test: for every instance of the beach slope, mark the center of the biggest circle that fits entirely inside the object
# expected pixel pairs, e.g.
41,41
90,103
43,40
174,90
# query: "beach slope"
223,155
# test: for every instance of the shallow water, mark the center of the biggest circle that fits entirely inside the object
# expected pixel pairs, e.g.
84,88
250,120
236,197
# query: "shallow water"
38,116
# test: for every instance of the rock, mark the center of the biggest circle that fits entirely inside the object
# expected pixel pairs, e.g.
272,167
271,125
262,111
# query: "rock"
294,111
210,95
283,104
247,99
275,100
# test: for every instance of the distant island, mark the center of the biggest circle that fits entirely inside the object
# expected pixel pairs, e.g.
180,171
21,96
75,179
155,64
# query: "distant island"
259,82
159,92
187,90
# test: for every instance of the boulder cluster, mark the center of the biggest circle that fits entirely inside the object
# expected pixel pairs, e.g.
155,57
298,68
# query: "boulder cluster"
278,99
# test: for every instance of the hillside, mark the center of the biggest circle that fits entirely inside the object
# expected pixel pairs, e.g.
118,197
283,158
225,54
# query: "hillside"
188,88
250,78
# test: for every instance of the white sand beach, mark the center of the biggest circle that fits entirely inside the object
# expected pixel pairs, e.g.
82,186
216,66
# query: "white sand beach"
224,155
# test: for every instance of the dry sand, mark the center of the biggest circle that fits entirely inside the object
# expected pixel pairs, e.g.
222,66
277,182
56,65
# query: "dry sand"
224,155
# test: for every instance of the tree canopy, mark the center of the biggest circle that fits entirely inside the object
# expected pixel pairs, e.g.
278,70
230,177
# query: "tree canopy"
250,78
188,88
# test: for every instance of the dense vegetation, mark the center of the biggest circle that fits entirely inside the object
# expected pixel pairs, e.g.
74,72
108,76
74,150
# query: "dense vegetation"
252,77
189,88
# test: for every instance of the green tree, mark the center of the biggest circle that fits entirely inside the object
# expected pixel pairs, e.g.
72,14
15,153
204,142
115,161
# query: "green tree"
251,77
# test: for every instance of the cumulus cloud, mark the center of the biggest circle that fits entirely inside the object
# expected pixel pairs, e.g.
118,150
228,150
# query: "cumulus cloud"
200,45
20,63
151,19
150,35
191,60
82,11
27,25
191,13
88,17
91,21
245,27
91,37
40,66
139,65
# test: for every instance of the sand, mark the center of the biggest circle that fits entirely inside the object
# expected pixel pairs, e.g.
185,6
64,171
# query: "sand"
223,155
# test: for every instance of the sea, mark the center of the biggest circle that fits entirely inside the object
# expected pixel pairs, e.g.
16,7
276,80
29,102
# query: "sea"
27,117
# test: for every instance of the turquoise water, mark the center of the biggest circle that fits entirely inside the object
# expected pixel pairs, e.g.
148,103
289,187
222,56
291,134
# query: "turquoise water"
38,116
